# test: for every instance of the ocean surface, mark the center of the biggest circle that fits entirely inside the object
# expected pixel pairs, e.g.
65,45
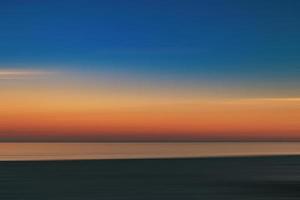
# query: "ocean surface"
222,178
71,151
164,171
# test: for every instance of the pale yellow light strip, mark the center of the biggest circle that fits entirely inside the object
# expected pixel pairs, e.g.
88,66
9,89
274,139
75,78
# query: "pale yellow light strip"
11,73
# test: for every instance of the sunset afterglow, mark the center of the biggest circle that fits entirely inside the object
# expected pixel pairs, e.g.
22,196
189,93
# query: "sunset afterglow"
149,71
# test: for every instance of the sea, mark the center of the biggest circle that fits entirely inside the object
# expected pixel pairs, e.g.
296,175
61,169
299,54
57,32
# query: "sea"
80,151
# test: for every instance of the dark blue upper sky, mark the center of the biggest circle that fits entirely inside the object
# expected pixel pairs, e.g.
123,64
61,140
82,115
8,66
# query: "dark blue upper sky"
246,38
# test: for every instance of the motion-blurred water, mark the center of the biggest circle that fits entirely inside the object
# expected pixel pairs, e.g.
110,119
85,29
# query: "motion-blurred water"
64,151
235,178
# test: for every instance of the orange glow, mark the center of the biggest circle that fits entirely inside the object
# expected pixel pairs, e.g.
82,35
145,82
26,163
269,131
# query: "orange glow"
64,112
197,118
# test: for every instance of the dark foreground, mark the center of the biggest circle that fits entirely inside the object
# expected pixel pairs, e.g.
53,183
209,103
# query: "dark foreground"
162,179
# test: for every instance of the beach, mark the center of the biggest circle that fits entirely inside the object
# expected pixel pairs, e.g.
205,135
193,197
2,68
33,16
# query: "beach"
222,178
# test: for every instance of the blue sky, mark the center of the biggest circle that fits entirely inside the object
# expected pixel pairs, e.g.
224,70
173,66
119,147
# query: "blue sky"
186,38
138,69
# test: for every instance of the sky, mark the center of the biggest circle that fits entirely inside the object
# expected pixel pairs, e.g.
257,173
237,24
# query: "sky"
149,70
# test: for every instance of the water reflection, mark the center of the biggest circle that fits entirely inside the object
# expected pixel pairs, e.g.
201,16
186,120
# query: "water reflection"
53,151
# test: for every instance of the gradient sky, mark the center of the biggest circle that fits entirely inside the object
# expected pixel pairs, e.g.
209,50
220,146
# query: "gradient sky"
157,70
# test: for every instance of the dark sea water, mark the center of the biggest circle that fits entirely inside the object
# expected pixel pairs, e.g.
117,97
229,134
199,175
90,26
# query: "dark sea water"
230,178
